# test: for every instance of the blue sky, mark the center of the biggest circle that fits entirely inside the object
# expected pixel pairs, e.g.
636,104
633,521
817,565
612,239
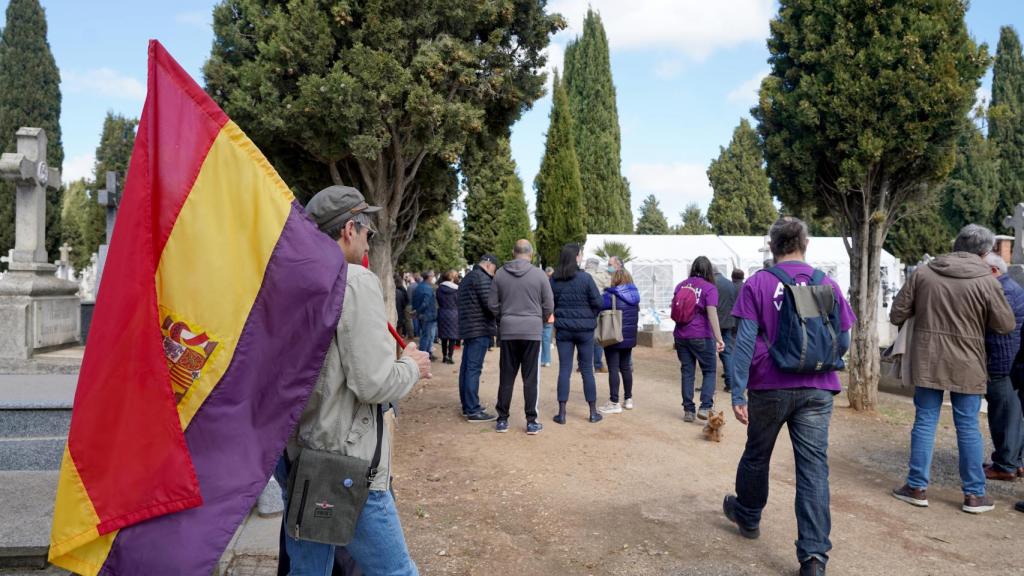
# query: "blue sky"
686,71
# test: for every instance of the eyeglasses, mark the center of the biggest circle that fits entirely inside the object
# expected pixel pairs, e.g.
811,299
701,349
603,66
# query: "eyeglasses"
370,231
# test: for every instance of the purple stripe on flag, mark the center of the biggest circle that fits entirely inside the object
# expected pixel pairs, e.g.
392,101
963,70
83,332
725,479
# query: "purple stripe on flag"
240,431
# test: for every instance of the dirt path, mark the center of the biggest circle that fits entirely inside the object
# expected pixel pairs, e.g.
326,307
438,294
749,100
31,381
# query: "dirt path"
640,493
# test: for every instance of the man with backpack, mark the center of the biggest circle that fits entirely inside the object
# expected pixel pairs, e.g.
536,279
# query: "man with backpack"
788,360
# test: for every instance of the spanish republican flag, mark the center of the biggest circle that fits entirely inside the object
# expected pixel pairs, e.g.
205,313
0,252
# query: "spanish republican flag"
218,304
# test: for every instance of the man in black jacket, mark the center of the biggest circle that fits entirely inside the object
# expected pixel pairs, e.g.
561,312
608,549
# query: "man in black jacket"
727,295
476,328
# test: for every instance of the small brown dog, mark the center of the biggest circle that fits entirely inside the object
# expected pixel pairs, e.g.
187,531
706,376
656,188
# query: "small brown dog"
713,429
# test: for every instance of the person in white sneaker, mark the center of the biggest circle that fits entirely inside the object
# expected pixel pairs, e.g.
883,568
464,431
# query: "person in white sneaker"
624,295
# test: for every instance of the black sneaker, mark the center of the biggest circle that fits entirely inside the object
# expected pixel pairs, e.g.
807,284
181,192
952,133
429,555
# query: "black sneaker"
501,426
729,508
812,567
481,416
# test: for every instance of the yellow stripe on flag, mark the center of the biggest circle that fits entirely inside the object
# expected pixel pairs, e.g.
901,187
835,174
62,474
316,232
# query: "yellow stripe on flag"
81,549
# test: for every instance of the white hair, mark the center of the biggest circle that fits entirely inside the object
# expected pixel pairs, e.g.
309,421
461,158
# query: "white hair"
996,261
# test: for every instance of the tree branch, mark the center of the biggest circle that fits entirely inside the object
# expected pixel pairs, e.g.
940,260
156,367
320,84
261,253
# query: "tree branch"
335,175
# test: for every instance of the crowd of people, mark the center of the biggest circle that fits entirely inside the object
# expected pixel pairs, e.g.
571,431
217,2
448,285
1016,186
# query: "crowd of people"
781,336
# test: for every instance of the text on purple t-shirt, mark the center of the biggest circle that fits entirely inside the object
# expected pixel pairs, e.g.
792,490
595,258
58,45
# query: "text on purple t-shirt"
760,301
707,295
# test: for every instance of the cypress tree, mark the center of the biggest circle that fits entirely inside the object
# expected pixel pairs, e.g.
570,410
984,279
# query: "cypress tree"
652,219
115,148
588,82
560,213
29,96
742,203
514,221
1006,121
484,181
694,221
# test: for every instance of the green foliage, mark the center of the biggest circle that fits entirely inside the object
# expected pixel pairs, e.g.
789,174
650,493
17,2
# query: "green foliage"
742,204
1006,122
560,212
381,95
612,248
436,246
588,82
115,149
514,219
694,222
80,215
495,206
29,96
652,219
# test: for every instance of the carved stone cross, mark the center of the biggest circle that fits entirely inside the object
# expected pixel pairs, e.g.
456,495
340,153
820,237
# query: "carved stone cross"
65,254
1017,223
110,197
28,169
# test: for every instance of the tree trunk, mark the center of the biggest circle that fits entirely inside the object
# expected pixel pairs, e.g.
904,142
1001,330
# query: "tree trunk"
865,273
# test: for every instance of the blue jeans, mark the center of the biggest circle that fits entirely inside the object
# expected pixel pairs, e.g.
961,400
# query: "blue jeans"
598,355
584,343
806,412
928,403
378,546
474,350
1004,423
545,344
428,332
729,337
692,351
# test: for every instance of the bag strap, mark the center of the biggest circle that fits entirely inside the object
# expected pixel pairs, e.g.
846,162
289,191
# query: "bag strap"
781,275
817,277
380,441
613,302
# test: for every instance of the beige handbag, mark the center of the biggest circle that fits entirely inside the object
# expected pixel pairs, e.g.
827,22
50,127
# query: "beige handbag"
609,325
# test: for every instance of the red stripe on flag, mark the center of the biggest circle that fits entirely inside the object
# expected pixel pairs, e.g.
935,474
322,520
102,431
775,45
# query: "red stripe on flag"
126,438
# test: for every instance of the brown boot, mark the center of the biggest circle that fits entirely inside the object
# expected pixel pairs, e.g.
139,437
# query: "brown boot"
993,473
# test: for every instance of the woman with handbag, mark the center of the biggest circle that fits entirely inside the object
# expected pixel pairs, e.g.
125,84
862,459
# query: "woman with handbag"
622,297
577,302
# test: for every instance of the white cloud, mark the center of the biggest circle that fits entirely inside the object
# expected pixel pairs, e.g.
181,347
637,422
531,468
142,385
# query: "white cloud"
675,185
746,93
200,19
695,28
103,82
78,167
668,68
556,59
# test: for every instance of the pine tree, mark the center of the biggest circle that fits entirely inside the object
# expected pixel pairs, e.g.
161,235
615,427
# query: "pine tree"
694,221
484,181
742,203
560,215
1006,122
435,246
514,219
652,219
78,221
115,149
588,82
29,96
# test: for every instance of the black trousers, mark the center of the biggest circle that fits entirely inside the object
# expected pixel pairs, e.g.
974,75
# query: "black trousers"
516,356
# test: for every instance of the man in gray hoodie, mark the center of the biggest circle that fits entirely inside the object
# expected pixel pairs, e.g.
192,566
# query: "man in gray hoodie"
521,300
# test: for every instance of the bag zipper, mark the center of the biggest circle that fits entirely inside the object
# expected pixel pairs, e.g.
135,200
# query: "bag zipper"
302,506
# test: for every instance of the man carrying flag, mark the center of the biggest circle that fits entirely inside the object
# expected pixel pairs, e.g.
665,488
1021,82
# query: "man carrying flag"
342,416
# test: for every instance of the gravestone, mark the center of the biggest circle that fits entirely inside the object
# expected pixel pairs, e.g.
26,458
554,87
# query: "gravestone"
65,270
111,198
1016,265
38,311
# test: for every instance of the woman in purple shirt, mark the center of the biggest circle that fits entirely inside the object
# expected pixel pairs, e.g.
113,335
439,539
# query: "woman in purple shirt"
698,340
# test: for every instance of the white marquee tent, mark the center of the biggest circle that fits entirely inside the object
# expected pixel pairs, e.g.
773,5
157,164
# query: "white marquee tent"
661,262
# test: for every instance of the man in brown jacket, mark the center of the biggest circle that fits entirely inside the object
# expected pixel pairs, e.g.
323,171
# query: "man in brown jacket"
952,301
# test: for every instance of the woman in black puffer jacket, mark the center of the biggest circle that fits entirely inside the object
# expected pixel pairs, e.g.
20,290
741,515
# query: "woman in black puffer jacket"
577,303
448,315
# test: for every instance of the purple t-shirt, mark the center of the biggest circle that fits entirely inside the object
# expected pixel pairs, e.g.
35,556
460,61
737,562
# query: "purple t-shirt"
760,301
707,295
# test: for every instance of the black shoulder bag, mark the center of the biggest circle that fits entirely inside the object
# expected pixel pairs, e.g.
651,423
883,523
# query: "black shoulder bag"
327,492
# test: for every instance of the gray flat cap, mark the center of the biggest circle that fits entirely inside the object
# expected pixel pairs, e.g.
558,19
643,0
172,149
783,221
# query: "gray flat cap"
334,205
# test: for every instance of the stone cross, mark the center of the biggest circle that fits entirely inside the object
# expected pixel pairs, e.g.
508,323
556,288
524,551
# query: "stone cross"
9,258
1017,223
65,254
28,169
110,197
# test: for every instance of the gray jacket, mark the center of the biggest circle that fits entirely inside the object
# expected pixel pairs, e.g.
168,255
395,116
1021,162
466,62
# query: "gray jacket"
360,371
521,300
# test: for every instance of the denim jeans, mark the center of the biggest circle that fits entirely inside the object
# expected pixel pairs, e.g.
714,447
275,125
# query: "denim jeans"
729,337
545,344
584,343
474,351
806,412
378,546
598,356
1004,423
928,404
428,332
620,361
692,351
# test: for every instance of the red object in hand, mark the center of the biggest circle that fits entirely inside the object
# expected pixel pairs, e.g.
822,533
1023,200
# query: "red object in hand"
394,333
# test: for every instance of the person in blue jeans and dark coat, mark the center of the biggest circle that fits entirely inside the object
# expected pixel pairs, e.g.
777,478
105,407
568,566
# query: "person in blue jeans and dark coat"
952,300
697,340
577,303
476,328
448,315
1004,410
727,294
424,302
621,295
803,402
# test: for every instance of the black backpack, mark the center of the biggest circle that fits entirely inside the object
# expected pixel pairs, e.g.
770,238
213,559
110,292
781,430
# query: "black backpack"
807,339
